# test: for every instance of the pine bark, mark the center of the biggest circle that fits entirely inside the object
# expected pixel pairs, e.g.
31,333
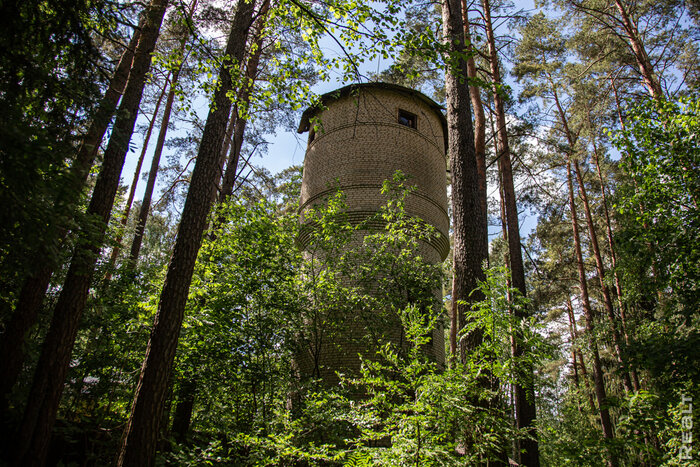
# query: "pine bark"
571,139
578,354
141,433
134,183
613,261
229,178
646,69
525,412
45,394
607,299
183,410
470,248
34,288
479,115
155,162
599,383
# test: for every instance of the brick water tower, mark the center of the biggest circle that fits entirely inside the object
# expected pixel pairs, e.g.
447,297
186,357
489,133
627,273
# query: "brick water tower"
365,133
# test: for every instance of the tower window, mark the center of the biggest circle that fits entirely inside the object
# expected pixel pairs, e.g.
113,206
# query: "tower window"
407,118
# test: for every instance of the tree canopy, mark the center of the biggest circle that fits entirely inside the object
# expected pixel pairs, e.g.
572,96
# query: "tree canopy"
170,324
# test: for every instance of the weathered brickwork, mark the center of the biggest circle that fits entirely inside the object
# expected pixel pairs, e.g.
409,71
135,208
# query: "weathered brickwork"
356,145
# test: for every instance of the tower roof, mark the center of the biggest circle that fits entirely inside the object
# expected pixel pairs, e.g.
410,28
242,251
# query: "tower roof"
329,97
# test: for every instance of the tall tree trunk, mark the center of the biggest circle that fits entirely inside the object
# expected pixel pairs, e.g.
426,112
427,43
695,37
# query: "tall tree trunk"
470,248
134,182
577,352
524,387
618,107
607,300
613,260
93,138
34,287
227,144
478,108
646,69
229,178
141,432
183,409
155,162
599,383
152,176
594,241
47,386
572,336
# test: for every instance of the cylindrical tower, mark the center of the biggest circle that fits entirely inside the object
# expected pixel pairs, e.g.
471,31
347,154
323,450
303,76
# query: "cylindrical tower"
364,134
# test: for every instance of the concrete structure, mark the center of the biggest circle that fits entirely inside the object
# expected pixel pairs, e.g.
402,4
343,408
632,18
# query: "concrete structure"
365,133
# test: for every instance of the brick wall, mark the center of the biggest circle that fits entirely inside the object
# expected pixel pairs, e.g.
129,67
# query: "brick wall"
357,144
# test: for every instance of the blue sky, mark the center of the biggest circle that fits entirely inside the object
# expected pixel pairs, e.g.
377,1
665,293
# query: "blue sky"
285,147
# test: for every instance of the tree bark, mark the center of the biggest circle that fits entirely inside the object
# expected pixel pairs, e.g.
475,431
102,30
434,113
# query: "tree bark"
578,354
229,178
134,182
183,409
572,334
599,383
646,69
155,162
524,388
613,261
479,115
34,287
594,242
470,248
141,432
47,386
607,300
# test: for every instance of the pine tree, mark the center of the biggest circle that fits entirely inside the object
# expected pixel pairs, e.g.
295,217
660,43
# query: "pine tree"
141,432
47,386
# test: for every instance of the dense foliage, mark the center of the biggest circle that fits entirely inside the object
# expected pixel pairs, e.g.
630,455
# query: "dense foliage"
585,138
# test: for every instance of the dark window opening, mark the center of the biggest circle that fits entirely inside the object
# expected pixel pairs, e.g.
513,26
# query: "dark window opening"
312,134
407,119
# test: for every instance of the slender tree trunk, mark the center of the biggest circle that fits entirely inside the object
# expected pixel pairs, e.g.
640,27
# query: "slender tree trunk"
183,409
34,287
155,162
572,336
594,243
618,108
524,387
607,300
506,260
47,386
578,354
141,432
469,220
229,178
613,260
134,182
227,144
599,382
152,176
646,69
